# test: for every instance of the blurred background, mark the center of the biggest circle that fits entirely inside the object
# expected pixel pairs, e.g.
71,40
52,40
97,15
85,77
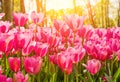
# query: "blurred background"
99,13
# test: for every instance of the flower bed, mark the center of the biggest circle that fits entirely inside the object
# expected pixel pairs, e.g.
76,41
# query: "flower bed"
69,51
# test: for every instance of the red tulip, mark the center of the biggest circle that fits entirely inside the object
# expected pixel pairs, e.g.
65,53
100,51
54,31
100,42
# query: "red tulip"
93,66
65,63
19,77
5,26
37,18
14,64
32,65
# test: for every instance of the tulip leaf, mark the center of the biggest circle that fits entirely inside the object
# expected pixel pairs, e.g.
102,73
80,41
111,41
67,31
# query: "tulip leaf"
116,75
53,79
89,77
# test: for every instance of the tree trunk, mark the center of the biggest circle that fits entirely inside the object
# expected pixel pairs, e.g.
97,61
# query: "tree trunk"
8,9
90,13
22,6
38,5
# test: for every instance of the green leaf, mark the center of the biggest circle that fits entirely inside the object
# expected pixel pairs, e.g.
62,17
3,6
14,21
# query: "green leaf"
89,77
53,79
116,75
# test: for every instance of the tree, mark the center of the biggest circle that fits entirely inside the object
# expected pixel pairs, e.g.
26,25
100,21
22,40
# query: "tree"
90,13
22,6
8,9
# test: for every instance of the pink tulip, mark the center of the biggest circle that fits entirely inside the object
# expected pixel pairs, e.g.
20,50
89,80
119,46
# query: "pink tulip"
53,41
93,66
30,48
58,24
19,77
14,64
76,54
3,78
65,63
85,32
74,21
65,31
53,59
32,65
20,19
6,42
22,39
41,49
37,18
5,26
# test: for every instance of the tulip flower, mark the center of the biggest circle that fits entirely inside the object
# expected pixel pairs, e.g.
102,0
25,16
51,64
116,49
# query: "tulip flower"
14,64
32,65
5,26
93,66
22,39
41,49
37,18
65,31
65,63
53,41
85,32
6,42
31,47
53,59
74,22
19,77
20,19
58,24
3,78
76,54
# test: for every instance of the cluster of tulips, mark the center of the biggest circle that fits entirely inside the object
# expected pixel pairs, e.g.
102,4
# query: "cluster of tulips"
68,51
